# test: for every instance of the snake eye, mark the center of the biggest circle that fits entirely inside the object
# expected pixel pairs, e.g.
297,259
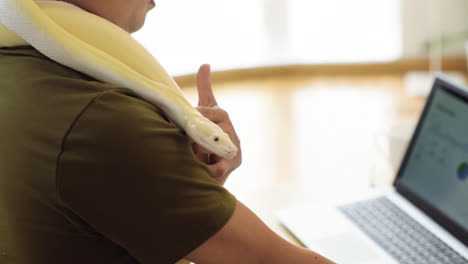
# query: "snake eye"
216,139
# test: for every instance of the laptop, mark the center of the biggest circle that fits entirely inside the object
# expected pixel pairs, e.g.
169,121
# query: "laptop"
422,217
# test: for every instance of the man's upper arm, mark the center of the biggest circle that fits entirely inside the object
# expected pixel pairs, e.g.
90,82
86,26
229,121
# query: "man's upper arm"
244,239
131,175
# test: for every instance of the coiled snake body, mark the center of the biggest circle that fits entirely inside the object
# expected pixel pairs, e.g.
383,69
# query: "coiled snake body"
94,46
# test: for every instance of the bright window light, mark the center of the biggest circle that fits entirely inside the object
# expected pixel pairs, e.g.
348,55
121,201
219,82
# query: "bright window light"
334,31
183,34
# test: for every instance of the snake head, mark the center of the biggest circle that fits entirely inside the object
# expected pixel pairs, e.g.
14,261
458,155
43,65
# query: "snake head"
212,137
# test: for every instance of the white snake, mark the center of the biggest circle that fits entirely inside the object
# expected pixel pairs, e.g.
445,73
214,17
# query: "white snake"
94,46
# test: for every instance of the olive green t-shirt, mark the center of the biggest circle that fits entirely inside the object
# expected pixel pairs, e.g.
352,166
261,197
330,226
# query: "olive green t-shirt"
91,173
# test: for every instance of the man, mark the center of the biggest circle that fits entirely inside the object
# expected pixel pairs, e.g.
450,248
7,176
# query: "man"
91,173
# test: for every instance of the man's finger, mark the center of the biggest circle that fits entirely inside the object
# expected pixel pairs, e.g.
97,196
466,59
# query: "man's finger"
219,169
214,114
205,92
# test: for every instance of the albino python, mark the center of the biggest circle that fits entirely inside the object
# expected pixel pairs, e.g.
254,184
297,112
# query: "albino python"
94,46
98,48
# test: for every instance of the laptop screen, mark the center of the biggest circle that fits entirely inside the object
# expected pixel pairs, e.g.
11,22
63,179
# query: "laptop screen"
435,168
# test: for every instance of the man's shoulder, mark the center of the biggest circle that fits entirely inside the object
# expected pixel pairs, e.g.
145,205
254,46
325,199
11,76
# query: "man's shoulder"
121,109
27,62
34,79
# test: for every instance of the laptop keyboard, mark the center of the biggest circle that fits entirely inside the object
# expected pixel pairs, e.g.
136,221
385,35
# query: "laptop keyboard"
399,234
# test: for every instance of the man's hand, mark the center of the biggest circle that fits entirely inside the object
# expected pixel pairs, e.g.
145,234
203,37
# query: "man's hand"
219,168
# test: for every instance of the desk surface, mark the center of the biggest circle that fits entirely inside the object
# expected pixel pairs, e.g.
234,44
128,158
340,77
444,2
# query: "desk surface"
310,138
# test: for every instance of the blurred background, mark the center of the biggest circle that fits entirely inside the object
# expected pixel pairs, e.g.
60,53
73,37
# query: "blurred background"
324,95
183,34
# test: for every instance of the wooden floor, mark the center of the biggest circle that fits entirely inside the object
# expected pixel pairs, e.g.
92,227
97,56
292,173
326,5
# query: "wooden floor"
310,138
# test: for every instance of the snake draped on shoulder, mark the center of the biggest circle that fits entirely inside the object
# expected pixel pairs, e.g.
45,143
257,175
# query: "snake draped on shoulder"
94,46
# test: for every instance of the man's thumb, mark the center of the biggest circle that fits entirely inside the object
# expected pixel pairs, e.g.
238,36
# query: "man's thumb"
205,92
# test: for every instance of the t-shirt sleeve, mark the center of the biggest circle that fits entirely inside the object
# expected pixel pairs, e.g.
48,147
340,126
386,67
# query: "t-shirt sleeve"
130,173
